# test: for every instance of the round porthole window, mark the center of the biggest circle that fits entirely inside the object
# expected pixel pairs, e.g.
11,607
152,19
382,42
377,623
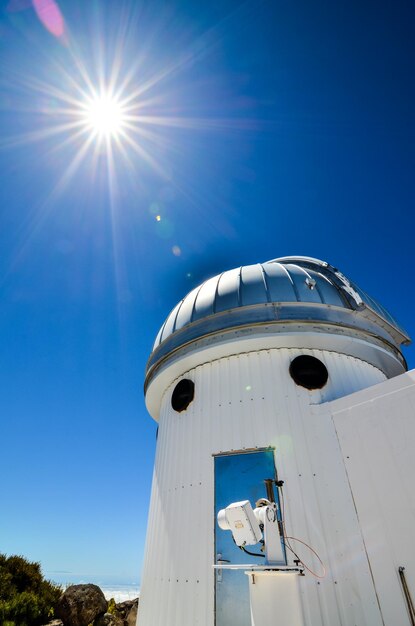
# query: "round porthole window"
308,372
182,395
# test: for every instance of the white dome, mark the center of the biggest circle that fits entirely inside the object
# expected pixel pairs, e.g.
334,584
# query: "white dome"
280,291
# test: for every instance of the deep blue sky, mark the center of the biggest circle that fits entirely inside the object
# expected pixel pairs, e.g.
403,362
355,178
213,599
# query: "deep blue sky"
290,131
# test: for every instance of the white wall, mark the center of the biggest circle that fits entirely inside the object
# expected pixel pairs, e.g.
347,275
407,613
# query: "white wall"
376,431
247,401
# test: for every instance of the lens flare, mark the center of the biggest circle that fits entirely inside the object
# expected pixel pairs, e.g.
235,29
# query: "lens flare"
50,15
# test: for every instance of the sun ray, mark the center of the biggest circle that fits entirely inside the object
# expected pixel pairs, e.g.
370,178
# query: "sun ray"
71,170
144,154
39,135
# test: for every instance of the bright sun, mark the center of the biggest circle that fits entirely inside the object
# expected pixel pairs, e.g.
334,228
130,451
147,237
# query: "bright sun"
104,116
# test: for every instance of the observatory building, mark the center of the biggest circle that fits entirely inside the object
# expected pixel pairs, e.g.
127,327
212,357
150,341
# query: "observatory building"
283,483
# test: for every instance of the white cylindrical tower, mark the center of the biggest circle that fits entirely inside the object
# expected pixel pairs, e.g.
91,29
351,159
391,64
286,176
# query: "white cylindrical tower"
236,371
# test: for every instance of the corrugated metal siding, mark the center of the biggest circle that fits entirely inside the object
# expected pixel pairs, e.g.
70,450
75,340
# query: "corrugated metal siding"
377,437
241,402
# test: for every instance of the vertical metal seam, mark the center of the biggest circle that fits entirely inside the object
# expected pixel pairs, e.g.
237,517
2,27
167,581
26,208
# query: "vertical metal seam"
216,291
239,287
291,281
359,524
194,301
162,331
264,278
177,313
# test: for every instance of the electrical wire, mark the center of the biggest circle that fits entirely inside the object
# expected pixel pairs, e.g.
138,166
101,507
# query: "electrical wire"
251,553
245,550
323,575
286,542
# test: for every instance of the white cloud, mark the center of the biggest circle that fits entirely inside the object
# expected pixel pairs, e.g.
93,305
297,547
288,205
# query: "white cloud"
120,593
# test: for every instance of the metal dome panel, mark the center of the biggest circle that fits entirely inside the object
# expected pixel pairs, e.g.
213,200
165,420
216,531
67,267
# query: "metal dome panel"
227,295
327,293
185,310
252,286
205,299
279,283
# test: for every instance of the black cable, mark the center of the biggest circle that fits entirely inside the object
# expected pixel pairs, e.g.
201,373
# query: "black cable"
244,549
251,553
294,553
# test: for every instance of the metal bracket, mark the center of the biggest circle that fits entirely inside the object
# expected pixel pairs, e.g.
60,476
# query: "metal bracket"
407,594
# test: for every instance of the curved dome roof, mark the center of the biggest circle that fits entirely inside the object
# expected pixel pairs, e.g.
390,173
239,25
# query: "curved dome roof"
288,289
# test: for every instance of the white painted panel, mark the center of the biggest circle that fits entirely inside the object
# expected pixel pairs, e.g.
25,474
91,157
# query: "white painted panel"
275,598
241,402
377,437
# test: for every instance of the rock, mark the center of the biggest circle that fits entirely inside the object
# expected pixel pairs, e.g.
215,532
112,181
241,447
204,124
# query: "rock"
127,611
108,619
55,622
132,615
80,605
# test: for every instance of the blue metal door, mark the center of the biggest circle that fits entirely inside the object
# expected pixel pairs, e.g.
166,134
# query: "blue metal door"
237,477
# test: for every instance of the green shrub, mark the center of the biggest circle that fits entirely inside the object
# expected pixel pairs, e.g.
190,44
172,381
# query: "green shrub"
26,599
112,607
